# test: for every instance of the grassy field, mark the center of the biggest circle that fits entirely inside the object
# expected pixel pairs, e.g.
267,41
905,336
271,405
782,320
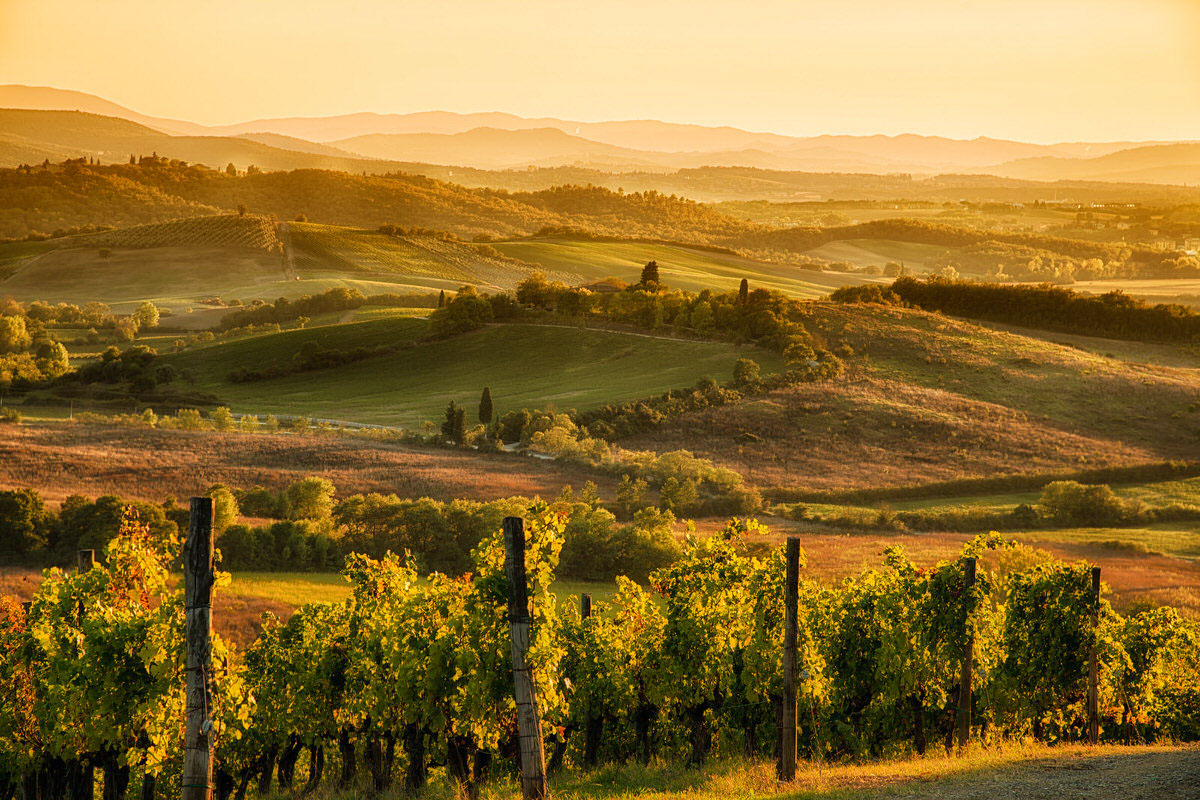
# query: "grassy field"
411,262
213,362
298,588
879,252
59,459
681,267
525,366
927,398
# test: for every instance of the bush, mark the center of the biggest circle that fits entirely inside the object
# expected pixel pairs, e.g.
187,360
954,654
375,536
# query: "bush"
1073,503
10,415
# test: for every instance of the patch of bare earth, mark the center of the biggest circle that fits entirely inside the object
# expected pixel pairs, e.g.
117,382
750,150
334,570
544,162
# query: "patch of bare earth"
1137,773
61,459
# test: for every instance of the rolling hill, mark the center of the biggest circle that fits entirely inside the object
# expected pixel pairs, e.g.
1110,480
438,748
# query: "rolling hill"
29,137
451,139
927,398
493,148
1165,163
524,365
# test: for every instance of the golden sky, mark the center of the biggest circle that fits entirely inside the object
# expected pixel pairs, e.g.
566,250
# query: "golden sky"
1038,70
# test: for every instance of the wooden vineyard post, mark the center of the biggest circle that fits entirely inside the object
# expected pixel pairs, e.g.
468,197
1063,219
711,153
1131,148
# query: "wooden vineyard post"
197,601
791,588
968,664
85,560
585,605
529,723
1093,690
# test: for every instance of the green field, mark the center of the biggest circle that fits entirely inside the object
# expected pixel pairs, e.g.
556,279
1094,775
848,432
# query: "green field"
212,363
298,588
694,269
880,252
525,366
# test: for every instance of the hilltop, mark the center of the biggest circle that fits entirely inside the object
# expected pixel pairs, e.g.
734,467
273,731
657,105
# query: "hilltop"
75,193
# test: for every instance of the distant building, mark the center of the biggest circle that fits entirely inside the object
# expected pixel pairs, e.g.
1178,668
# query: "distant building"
1191,245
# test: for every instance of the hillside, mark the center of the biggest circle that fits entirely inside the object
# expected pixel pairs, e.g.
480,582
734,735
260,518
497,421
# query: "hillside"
692,268
1164,163
491,148
525,366
927,398
29,137
77,194
40,123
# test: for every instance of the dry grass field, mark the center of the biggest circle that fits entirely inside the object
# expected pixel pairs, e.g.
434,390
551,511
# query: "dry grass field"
926,398
61,459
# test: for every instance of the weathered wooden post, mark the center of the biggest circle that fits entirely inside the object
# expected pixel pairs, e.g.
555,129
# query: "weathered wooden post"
968,663
529,723
197,600
1093,690
585,605
791,587
85,787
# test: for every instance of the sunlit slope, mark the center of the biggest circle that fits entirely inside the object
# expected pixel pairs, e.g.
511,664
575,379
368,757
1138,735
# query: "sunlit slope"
694,269
424,261
926,398
524,365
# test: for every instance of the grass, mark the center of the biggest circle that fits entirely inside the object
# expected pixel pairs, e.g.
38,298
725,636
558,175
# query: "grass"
879,252
681,267
926,398
212,363
524,365
298,588
409,261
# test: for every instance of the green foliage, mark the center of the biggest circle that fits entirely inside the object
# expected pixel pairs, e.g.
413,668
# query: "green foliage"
309,498
1114,314
24,523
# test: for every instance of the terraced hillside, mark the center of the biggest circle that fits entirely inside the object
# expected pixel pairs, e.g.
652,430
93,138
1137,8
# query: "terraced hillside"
927,398
174,264
524,365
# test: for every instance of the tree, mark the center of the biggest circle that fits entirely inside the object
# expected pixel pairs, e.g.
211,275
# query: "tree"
454,427
442,299
14,336
231,170
649,275
242,210
146,315
746,372
743,293
225,506
23,522
485,406
310,498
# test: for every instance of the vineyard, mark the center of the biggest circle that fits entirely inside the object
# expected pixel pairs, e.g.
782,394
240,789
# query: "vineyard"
411,679
248,231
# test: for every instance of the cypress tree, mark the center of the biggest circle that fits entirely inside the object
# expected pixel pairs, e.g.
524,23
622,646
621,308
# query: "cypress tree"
485,406
454,427
650,274
744,293
442,299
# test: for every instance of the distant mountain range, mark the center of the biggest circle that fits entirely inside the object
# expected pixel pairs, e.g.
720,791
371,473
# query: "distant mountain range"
57,123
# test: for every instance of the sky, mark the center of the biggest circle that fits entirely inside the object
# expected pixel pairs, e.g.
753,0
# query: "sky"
1034,70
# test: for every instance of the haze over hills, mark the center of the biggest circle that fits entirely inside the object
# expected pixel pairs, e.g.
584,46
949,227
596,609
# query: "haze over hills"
1163,163
492,140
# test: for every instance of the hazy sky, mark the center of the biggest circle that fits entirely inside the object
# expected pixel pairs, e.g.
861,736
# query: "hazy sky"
1039,70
